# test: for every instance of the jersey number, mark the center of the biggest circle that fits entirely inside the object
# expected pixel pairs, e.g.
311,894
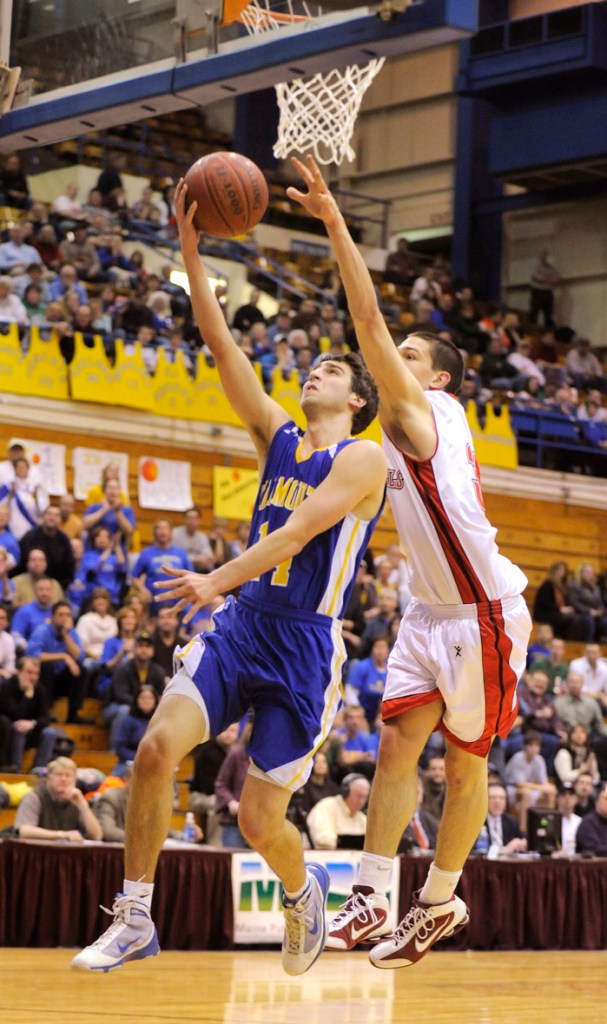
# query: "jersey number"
476,479
280,576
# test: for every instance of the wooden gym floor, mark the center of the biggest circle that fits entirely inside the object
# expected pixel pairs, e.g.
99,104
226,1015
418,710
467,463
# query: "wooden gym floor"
37,987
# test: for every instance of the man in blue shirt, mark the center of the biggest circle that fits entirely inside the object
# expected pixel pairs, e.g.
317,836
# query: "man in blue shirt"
33,614
68,282
61,655
16,254
367,678
147,570
111,513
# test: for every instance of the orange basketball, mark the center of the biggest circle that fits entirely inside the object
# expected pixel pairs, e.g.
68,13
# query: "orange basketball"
231,192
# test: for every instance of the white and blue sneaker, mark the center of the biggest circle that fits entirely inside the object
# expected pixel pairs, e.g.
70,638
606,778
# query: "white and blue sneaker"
131,936
305,923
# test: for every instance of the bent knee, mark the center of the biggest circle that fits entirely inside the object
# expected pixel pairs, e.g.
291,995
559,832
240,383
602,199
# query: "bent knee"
154,752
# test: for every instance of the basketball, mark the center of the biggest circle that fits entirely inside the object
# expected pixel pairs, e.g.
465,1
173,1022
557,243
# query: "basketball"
231,192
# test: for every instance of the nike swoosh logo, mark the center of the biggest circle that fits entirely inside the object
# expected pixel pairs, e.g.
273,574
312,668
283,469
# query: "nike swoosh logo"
312,931
422,946
357,933
123,949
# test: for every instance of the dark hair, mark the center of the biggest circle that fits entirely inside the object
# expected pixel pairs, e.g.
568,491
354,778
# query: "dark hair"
531,736
135,710
363,385
445,356
60,604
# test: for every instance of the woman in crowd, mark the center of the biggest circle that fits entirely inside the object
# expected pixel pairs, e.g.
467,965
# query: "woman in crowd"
552,605
131,728
575,756
584,595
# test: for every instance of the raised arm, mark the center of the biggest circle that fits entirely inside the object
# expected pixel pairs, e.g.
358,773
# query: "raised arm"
355,483
261,415
404,409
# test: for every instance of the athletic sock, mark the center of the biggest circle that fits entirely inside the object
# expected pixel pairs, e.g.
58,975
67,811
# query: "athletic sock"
375,872
439,885
295,897
143,891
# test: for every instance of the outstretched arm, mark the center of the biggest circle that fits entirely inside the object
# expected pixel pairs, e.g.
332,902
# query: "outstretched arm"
404,409
356,480
260,414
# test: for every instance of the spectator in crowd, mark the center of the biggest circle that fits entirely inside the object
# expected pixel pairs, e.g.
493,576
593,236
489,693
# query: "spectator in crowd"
334,818
27,501
67,281
583,368
537,713
82,254
104,564
570,821
110,178
7,647
543,280
14,189
434,787
367,679
193,541
591,835
34,307
128,678
593,670
520,358
166,637
401,266
24,704
49,251
57,809
69,522
584,794
539,647
67,206
148,570
12,310
7,539
97,625
383,615
17,254
527,777
362,599
48,537
208,759
111,471
319,785
575,757
218,538
544,353
551,603
250,313
228,789
554,665
505,834
25,583
132,726
497,371
591,409
584,596
7,587
239,544
422,831
34,613
577,708
117,649
61,655
112,513
356,748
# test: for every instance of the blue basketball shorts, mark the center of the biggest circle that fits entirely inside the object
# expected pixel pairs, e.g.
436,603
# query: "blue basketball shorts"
282,663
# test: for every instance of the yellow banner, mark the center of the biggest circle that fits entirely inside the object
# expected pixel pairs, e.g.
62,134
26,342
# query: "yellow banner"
234,492
496,444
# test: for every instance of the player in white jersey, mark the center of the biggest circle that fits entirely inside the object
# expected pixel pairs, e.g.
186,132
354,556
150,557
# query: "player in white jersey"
462,644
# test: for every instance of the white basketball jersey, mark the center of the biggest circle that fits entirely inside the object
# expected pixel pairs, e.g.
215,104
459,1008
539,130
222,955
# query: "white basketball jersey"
439,514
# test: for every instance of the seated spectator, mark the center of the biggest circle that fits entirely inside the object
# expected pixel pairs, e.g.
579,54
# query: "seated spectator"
574,757
47,248
34,306
25,583
114,263
24,704
250,313
570,821
7,647
76,592
339,816
14,189
505,834
17,254
12,310
166,637
132,726
434,787
551,604
543,635
97,625
112,513
147,570
577,708
520,358
117,649
554,665
82,254
355,745
591,835
496,370
57,809
33,614
593,670
208,759
127,680
422,831
34,274
319,785
218,539
584,794
584,596
537,713
104,564
379,623
48,537
401,266
69,522
27,501
527,778
591,410
367,679
67,281
228,789
7,539
239,544
61,655
583,368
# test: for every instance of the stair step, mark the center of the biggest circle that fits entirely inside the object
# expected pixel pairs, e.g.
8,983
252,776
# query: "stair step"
88,737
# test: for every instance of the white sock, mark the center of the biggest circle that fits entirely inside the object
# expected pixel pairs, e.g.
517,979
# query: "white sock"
375,871
294,897
439,885
143,891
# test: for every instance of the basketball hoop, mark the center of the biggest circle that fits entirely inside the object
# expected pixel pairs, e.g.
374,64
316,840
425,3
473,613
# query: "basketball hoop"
317,114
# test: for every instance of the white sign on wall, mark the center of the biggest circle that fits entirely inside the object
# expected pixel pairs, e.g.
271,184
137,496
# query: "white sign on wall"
49,460
164,484
88,466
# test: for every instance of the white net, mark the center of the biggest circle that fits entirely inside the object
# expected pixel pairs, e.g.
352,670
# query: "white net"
319,114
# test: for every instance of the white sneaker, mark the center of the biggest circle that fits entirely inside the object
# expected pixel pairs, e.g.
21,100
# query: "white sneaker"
424,925
132,936
305,923
363,917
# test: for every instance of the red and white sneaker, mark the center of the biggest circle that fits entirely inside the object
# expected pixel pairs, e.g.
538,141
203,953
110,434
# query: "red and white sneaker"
363,916
424,925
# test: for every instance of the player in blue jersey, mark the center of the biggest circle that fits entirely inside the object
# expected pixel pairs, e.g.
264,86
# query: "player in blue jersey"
278,648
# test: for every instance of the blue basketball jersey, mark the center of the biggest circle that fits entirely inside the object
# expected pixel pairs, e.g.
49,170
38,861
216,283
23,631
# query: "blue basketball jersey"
320,578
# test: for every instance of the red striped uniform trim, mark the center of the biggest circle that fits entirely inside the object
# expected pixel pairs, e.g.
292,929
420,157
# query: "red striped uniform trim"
398,705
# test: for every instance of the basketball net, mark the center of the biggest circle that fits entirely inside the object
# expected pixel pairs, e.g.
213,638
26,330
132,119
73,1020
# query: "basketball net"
316,114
